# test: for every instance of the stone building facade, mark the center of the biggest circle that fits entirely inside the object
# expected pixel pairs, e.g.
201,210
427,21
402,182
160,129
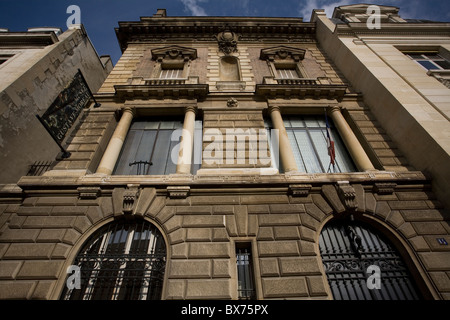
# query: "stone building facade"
260,212
36,66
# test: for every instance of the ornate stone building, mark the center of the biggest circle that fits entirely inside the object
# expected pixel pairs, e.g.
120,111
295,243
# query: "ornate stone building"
247,158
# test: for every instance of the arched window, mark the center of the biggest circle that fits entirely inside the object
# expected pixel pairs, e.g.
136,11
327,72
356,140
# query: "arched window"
348,249
123,260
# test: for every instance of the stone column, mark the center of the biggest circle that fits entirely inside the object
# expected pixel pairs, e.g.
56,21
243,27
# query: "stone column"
286,155
187,142
112,152
355,149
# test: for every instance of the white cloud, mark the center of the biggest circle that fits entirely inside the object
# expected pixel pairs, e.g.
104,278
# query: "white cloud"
194,7
327,5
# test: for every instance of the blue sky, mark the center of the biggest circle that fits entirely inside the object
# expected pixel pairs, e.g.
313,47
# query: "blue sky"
100,17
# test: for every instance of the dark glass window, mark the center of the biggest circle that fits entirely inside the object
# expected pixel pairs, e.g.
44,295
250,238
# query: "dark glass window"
308,138
121,261
150,147
246,287
430,61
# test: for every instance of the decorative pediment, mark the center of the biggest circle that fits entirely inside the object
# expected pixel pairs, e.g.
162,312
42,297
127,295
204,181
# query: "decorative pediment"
282,53
174,53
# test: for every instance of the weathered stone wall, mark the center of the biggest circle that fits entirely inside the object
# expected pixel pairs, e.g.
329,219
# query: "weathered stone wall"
40,238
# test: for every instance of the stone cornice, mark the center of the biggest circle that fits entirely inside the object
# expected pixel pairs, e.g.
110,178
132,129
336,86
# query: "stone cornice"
314,91
126,92
207,28
27,39
395,29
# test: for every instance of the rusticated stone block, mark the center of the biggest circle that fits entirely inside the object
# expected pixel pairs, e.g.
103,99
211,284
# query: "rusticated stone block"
314,211
428,228
299,266
186,269
269,267
320,202
286,233
436,261
284,287
9,269
277,248
29,251
175,289
208,289
265,233
198,234
329,192
43,290
221,268
33,269
279,219
287,208
209,250
316,286
19,290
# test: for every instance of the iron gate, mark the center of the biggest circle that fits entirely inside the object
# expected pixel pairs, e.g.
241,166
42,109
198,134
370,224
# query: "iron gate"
121,261
348,248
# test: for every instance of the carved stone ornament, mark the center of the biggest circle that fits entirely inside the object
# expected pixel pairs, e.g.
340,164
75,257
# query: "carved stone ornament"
347,194
232,103
178,192
227,42
130,196
89,192
384,187
300,190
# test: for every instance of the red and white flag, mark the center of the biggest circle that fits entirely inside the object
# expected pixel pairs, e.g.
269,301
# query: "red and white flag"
330,143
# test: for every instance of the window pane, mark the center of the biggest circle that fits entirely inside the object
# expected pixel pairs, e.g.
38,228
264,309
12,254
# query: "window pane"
308,153
428,64
444,64
310,148
296,151
161,153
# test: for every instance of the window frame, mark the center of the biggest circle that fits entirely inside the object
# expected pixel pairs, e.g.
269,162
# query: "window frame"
340,148
144,165
426,58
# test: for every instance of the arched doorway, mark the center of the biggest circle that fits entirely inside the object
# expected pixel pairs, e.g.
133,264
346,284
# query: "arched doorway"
348,248
123,260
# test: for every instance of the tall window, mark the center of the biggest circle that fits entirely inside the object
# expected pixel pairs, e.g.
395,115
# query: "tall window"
151,147
121,261
246,287
307,135
430,61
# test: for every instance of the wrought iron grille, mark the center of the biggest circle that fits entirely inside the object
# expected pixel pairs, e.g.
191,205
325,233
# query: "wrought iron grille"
121,261
246,288
348,249
38,168
142,167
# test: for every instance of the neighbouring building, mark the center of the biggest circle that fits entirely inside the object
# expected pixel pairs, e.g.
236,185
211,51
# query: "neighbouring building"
35,68
248,158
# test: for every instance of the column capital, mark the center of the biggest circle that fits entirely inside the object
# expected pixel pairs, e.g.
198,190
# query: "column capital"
193,109
274,108
131,110
332,109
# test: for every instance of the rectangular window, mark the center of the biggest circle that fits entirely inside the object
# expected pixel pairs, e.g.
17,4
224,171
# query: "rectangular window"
287,73
430,61
308,139
246,287
149,147
172,73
